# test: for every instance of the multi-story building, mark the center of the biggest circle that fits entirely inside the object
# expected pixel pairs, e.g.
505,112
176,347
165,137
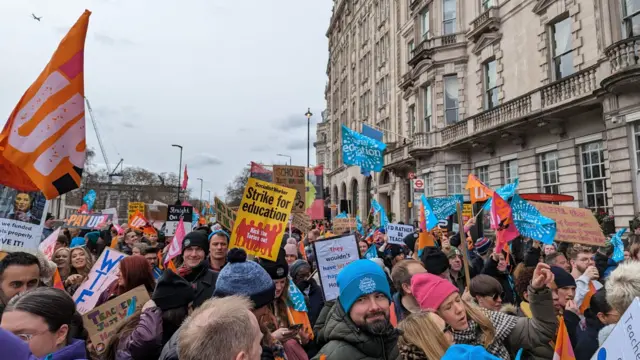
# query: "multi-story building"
545,91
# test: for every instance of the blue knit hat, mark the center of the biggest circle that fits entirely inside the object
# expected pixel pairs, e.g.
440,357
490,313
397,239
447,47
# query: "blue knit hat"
77,241
247,278
483,245
361,277
463,352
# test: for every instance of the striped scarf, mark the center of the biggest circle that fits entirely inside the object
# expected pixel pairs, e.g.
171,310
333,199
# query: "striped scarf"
503,324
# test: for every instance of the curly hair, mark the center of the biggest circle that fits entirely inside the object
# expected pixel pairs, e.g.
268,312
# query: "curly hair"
523,280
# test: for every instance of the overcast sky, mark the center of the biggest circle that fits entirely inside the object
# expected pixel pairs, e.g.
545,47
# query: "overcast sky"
230,80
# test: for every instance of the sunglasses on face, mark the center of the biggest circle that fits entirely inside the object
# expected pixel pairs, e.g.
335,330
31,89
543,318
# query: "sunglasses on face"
495,297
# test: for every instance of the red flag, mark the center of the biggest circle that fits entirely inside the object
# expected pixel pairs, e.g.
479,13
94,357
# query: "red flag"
502,222
42,145
175,248
185,181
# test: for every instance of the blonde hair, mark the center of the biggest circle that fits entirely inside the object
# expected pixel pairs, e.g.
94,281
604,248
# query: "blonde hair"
88,259
488,332
419,330
623,285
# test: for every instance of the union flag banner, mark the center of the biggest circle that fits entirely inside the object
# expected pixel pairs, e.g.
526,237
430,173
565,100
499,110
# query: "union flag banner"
42,146
478,191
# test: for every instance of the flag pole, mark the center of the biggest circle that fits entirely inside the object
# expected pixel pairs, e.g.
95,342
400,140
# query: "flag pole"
463,243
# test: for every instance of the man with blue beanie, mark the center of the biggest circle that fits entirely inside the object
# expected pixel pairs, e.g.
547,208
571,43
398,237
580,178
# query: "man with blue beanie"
358,326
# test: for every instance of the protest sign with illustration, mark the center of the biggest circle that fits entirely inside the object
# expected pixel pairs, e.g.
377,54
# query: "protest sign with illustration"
332,255
262,218
103,321
104,272
574,225
292,177
397,232
88,221
225,216
22,216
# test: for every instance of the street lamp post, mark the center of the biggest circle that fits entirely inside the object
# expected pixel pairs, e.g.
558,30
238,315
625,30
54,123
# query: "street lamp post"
201,182
179,170
209,191
284,155
308,115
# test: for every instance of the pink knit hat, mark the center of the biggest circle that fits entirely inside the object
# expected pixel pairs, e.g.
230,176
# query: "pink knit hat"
430,290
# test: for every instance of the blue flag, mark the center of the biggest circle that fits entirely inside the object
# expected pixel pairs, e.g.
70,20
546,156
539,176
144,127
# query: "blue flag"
372,253
618,247
296,299
90,199
342,215
359,225
374,134
430,217
440,208
506,192
530,222
377,208
132,306
361,150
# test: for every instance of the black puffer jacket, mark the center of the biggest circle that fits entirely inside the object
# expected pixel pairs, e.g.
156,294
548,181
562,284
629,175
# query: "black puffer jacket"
343,340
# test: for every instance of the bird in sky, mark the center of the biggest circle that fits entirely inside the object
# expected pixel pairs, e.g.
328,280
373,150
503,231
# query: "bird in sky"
35,17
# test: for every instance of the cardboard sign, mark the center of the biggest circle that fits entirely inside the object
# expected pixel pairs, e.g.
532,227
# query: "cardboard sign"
225,216
103,321
292,177
174,212
342,225
133,207
22,216
48,245
623,340
333,254
397,232
102,274
88,221
574,225
156,213
302,221
262,218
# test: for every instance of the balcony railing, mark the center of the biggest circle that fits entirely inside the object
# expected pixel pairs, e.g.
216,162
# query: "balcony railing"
397,155
576,85
489,20
424,49
624,63
424,142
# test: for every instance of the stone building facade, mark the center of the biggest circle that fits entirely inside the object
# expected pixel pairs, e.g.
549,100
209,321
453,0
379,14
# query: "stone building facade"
540,90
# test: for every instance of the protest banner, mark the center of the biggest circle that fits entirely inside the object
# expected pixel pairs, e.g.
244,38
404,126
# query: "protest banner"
341,225
103,321
114,214
574,225
333,254
174,212
48,245
133,207
622,342
137,221
397,232
87,221
22,215
292,177
302,222
104,272
225,216
262,218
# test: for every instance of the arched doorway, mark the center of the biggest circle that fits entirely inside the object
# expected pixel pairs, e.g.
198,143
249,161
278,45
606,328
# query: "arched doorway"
369,189
355,197
334,195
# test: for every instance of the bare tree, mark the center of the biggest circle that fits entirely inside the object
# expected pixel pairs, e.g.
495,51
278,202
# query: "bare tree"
235,189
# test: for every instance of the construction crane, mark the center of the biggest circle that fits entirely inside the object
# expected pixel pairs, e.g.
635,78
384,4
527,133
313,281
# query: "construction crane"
111,172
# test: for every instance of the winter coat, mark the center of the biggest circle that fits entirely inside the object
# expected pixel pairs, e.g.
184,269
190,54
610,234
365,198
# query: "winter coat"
343,340
491,269
401,312
204,281
170,349
587,339
316,302
145,342
76,350
13,348
532,256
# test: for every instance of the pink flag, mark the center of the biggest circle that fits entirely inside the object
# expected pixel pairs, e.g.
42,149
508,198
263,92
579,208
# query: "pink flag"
175,248
48,244
502,222
185,181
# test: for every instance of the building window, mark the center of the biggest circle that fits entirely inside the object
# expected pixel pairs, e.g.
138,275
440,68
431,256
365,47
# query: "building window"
449,12
593,175
482,172
486,4
562,49
424,25
510,170
454,179
451,99
631,17
490,85
428,185
550,173
410,47
427,108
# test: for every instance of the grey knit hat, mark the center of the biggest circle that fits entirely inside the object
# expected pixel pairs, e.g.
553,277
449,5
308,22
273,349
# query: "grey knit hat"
247,278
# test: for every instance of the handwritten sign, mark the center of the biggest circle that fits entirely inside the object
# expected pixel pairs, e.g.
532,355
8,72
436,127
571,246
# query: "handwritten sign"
103,321
302,221
397,232
574,225
87,221
225,216
102,274
133,207
333,254
623,340
342,225
174,213
292,177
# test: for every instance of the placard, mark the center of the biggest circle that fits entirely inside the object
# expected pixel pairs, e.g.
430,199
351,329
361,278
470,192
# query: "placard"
574,225
133,207
225,216
174,212
342,225
292,177
332,255
262,218
113,212
87,221
103,321
22,215
623,340
397,232
302,221
102,274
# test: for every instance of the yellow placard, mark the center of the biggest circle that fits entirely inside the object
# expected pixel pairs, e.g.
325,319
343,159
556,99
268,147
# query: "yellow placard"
133,207
262,218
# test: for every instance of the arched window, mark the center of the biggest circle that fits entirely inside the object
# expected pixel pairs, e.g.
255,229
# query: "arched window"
355,197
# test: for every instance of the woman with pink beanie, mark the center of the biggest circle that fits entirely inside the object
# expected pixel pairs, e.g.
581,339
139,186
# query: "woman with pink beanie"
501,334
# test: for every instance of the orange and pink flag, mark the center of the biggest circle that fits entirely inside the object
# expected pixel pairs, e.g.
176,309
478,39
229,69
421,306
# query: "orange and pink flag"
563,349
502,222
42,146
